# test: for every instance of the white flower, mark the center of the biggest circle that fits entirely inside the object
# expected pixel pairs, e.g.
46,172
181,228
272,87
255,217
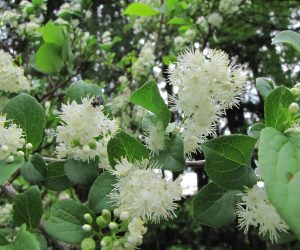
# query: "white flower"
229,6
136,230
215,19
145,194
207,86
155,138
256,210
10,17
106,37
82,126
12,77
10,139
6,214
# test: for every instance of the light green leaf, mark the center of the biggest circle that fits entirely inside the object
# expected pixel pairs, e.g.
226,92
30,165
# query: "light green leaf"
276,109
98,195
264,86
227,161
172,157
148,97
255,129
34,170
214,206
25,240
48,58
79,172
66,220
123,145
140,9
279,157
53,33
7,169
56,178
28,208
289,37
26,112
81,89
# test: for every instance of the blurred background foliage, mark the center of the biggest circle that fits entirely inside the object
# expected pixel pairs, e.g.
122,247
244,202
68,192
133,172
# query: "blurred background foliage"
119,52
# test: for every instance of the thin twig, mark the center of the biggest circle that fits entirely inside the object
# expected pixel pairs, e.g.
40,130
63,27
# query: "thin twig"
195,164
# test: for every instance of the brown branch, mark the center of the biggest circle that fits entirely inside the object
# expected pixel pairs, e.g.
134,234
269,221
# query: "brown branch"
195,164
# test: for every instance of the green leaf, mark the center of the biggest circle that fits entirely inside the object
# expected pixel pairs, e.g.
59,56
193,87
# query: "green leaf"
81,89
289,37
214,206
123,145
66,220
26,112
53,34
172,157
28,208
7,169
48,58
179,21
227,161
276,109
34,170
79,172
56,178
264,86
140,9
37,3
148,97
255,129
98,195
25,240
279,157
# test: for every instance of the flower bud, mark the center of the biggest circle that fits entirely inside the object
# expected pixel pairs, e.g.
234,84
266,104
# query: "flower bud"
101,222
106,214
28,146
86,148
88,244
293,108
106,241
124,215
88,218
10,159
4,148
22,141
113,225
20,153
86,227
117,212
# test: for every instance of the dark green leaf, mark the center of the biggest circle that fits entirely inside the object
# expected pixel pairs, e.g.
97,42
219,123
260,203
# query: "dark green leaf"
289,37
227,159
123,145
81,89
148,97
140,9
56,178
34,170
276,109
98,195
7,169
279,157
28,208
26,112
255,129
66,220
25,240
264,86
214,206
83,173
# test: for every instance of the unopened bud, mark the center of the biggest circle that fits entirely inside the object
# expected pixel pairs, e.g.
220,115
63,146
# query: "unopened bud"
28,146
22,141
113,225
88,218
86,227
86,148
101,222
10,159
106,214
106,241
293,108
124,215
88,244
20,153
117,212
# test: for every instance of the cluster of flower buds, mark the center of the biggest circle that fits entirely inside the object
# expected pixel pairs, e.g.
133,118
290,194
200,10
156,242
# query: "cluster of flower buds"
115,231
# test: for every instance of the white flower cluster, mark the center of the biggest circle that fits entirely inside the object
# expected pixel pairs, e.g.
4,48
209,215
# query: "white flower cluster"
229,6
6,214
106,37
155,138
85,130
11,139
143,192
136,230
215,19
10,17
145,61
12,77
187,37
207,86
257,211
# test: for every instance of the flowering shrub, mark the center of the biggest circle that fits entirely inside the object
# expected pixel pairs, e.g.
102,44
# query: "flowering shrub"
95,141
